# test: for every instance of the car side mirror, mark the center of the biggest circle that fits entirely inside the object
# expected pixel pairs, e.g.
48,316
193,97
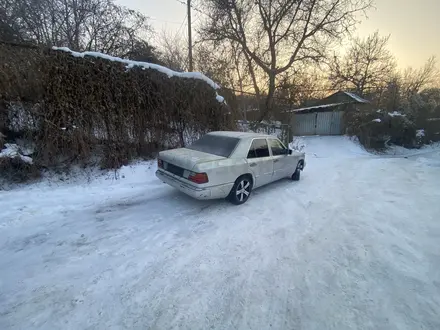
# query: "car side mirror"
289,151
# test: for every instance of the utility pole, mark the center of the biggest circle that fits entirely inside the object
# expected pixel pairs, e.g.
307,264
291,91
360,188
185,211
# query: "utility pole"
190,54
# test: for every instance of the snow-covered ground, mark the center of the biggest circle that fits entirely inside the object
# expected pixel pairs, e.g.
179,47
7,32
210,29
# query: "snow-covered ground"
353,245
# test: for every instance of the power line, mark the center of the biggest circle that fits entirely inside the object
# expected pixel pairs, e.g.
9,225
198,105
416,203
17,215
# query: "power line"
192,6
181,26
283,98
301,90
188,16
197,18
162,20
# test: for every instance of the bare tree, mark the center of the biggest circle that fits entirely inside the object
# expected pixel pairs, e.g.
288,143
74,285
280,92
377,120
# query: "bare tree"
302,85
9,27
216,63
389,98
173,51
367,65
414,80
97,25
276,35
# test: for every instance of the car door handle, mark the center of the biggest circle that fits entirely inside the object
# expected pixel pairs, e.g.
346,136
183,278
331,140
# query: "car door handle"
275,160
252,164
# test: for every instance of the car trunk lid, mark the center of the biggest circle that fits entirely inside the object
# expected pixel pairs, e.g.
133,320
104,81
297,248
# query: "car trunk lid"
187,158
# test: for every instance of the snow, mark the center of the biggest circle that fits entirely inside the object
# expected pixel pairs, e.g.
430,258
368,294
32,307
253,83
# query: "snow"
130,64
420,133
331,147
400,151
396,114
357,97
273,128
352,245
220,98
429,159
298,144
377,120
317,107
12,150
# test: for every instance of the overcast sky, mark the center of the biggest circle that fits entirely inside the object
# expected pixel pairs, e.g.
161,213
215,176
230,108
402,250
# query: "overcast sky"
414,25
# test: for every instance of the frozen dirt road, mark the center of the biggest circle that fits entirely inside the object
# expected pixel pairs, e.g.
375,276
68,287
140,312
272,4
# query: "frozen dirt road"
353,245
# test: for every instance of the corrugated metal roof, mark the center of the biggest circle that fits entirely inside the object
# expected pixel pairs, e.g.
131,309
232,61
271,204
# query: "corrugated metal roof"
317,107
357,97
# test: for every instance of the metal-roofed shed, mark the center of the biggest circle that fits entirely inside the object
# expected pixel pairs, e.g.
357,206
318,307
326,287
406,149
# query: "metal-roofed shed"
326,117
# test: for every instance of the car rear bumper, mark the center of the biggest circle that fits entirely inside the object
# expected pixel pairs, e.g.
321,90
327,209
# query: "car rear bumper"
184,186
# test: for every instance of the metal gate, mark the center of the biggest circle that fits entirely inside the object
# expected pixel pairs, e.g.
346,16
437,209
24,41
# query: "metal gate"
318,123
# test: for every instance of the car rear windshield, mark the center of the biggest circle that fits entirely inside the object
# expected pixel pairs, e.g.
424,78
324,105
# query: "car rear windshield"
215,144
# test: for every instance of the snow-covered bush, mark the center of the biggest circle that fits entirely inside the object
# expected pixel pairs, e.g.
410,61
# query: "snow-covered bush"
14,151
428,114
376,129
15,170
15,166
420,137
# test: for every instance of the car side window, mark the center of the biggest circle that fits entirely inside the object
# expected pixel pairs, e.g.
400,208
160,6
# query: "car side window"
277,148
258,149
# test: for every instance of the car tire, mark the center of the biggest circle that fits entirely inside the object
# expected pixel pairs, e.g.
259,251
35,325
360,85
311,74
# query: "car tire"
297,175
241,190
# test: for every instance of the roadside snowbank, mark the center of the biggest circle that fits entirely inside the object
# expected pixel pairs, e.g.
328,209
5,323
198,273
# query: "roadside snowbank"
394,150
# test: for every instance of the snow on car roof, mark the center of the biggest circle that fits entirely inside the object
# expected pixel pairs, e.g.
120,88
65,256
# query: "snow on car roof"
237,134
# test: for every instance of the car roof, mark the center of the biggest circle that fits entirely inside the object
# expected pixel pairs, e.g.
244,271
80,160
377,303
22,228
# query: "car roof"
240,135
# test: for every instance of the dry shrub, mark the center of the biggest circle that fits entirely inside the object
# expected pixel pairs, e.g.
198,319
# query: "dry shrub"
402,131
430,123
2,140
117,155
75,108
20,75
16,170
431,127
398,130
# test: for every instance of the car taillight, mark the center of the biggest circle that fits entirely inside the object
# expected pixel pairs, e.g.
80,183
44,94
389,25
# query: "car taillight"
159,163
198,178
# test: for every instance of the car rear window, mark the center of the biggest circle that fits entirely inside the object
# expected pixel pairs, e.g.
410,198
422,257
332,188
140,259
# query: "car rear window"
215,144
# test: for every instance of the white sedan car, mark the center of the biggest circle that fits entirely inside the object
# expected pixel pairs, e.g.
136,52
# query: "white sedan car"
228,165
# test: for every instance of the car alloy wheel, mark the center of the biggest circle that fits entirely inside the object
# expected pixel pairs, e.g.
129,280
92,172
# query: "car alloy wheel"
243,190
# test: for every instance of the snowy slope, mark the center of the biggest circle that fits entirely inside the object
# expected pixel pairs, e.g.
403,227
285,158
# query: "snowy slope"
353,245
